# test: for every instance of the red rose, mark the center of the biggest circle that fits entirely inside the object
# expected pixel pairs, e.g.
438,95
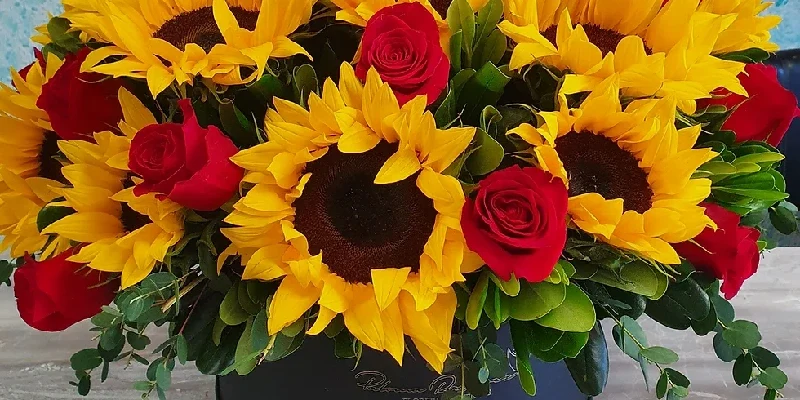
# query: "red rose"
767,114
80,104
55,294
730,253
402,43
518,222
186,163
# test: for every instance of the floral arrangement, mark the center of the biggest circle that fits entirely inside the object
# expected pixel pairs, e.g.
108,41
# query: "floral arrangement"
400,176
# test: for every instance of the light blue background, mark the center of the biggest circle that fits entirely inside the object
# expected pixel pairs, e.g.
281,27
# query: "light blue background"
19,17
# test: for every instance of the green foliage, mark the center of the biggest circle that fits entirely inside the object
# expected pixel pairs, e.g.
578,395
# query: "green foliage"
63,38
237,125
749,56
7,269
683,303
744,176
476,41
590,368
50,214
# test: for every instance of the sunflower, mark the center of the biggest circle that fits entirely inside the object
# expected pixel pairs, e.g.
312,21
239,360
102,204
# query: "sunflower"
748,30
121,232
663,51
29,171
629,172
177,40
351,209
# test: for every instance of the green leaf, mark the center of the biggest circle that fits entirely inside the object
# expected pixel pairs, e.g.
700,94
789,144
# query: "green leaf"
111,338
749,56
660,355
590,368
783,219
677,378
575,314
743,369
488,18
535,300
247,304
771,394
345,346
267,87
706,325
85,360
662,385
636,277
6,270
491,49
181,349
456,42
494,358
305,82
725,351
497,306
519,338
245,358
683,302
48,215
766,195
488,155
773,378
237,125
137,341
477,300
161,285
106,320
677,393
142,386
163,376
765,358
460,17
230,311
569,345
624,335
283,346
85,385
723,308
449,110
259,335
481,90
742,334
510,287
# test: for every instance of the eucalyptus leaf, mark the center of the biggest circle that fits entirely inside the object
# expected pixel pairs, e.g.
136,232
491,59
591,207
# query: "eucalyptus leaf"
590,368
536,300
575,314
742,334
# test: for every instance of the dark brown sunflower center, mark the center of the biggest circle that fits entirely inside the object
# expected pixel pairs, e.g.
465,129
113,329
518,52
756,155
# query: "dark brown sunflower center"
595,164
131,219
357,225
441,6
49,166
605,39
200,27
